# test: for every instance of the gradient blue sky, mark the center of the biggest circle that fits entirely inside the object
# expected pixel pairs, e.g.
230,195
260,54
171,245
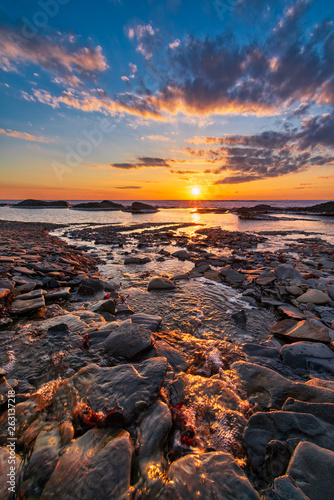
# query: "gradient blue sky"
121,99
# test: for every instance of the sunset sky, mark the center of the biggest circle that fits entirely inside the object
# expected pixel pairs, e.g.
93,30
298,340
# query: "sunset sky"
125,99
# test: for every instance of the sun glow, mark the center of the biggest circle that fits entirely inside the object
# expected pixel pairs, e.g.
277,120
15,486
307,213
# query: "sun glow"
195,191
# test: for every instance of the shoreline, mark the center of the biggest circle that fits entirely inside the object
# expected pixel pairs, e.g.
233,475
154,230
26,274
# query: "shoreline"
179,399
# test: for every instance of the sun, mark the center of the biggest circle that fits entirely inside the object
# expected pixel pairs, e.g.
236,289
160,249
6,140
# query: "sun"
195,191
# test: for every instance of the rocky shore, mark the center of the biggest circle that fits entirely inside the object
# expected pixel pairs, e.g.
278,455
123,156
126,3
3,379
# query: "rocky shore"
110,405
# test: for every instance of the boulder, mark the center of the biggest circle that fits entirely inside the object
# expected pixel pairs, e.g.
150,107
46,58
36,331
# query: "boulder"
270,389
287,272
137,260
160,284
103,306
146,321
323,411
208,475
308,330
174,357
231,275
286,427
314,296
26,306
73,322
96,465
285,488
133,387
308,356
61,293
128,341
142,208
312,467
181,255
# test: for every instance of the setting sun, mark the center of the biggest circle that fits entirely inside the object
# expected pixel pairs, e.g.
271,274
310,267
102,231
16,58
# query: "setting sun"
195,191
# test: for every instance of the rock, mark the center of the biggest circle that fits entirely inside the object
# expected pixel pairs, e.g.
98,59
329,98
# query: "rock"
96,465
32,295
73,322
86,290
136,260
146,321
262,428
132,387
330,291
270,389
61,329
6,283
307,356
231,275
174,358
4,292
103,306
328,264
160,284
291,311
312,467
301,330
62,293
128,341
152,435
97,206
181,255
314,296
41,204
285,488
287,272
240,317
24,270
142,208
294,290
25,306
323,411
208,475
213,276
96,284
123,309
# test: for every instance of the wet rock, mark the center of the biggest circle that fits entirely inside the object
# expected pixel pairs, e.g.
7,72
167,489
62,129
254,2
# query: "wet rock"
231,275
174,358
132,387
213,276
4,292
152,434
181,255
160,284
74,324
285,488
263,428
312,467
136,260
323,411
86,290
308,330
103,306
142,208
62,293
25,306
287,272
314,296
291,311
96,284
123,309
208,475
6,283
307,356
128,341
270,389
96,465
240,316
146,321
32,295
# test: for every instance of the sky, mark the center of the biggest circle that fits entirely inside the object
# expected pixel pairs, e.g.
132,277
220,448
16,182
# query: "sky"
121,99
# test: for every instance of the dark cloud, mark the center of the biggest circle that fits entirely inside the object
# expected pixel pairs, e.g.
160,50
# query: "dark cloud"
127,187
144,161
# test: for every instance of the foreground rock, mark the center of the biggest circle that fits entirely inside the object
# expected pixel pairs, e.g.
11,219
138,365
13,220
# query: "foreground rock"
128,341
160,284
208,475
96,465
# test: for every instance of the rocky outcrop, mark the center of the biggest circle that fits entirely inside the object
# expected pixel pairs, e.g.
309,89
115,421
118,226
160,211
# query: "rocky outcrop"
41,204
98,206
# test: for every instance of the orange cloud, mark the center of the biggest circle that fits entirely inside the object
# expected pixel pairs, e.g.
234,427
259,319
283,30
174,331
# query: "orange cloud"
23,135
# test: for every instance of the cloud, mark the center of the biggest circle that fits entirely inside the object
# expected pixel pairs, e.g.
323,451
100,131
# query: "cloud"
67,61
175,44
184,172
133,68
156,138
144,162
146,41
23,135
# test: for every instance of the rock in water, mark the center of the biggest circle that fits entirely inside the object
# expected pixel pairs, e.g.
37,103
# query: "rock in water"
208,475
160,284
174,357
301,330
146,321
128,340
312,468
96,465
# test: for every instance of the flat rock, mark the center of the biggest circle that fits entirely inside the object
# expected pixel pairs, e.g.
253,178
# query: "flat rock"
73,323
32,295
160,284
62,293
4,292
308,356
231,275
312,467
287,272
291,312
25,306
24,270
146,321
133,387
270,389
208,475
103,306
96,465
262,428
128,341
314,296
174,357
136,260
324,411
6,283
308,330
285,488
